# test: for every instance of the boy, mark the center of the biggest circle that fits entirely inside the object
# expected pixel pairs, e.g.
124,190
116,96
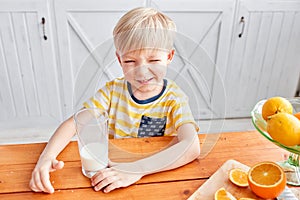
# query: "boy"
141,104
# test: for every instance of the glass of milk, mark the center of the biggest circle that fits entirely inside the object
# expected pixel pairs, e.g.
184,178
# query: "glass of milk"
92,137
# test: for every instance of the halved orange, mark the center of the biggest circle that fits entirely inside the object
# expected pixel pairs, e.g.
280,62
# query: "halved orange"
266,179
223,194
238,177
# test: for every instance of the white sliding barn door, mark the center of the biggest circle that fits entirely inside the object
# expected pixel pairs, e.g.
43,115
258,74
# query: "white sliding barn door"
202,46
29,92
88,58
87,52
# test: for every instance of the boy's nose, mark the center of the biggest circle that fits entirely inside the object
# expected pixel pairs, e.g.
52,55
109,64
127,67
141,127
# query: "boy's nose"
142,70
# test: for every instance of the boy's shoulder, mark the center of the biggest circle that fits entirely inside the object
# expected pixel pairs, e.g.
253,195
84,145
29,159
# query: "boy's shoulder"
116,82
175,89
172,84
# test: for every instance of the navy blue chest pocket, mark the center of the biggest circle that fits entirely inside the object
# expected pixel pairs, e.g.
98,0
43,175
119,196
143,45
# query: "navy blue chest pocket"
150,127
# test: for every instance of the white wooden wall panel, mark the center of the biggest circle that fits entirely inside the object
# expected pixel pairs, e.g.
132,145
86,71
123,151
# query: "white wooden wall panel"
6,91
29,88
13,65
292,64
43,82
26,69
265,60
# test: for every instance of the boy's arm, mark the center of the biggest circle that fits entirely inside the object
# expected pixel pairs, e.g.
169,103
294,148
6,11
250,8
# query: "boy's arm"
123,174
40,179
184,151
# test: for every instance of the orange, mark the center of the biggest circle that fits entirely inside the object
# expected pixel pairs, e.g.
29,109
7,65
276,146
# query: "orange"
223,194
276,105
297,115
238,177
266,179
284,128
245,198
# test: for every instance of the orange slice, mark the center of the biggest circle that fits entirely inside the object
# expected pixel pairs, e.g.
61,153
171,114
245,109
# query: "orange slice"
223,194
238,177
266,179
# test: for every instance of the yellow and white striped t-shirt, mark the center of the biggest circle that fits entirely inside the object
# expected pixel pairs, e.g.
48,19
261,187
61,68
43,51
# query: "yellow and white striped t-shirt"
129,117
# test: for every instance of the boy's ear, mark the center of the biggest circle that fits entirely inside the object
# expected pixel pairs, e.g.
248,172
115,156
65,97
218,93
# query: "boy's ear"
171,55
118,56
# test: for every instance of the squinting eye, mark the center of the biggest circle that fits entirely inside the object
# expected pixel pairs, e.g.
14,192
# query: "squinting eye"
157,60
129,61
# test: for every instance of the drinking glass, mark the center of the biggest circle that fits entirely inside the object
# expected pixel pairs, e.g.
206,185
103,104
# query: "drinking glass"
92,138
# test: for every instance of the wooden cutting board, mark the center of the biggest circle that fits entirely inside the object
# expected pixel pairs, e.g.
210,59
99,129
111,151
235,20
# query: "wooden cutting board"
220,179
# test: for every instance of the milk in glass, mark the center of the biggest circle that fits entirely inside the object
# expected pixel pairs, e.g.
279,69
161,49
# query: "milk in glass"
94,157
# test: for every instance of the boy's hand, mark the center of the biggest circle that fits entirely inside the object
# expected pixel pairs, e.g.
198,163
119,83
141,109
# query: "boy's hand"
112,178
40,179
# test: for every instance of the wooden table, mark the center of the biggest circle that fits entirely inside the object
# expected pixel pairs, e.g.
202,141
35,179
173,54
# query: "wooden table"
18,161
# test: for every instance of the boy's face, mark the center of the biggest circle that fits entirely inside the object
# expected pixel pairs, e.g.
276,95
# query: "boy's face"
145,70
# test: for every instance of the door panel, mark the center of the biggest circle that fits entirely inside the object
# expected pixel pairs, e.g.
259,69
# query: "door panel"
264,62
29,87
202,46
85,41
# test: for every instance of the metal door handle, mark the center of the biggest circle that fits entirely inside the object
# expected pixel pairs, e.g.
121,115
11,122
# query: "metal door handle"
242,21
44,31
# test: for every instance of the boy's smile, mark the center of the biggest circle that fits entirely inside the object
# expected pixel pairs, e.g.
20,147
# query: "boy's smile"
145,70
145,81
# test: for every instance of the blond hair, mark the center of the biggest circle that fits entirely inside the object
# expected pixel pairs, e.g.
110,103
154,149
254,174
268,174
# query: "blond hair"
143,28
